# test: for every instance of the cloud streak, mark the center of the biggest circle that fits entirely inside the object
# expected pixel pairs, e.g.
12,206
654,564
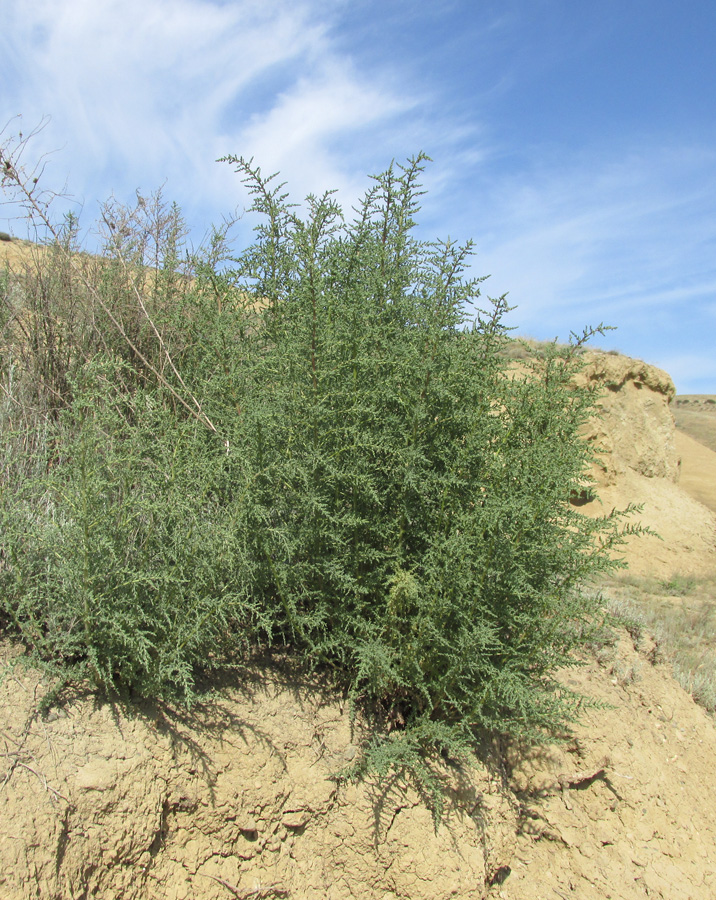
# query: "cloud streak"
628,241
150,90
142,86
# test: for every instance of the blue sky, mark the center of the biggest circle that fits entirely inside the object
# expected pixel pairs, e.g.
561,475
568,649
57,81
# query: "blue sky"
574,142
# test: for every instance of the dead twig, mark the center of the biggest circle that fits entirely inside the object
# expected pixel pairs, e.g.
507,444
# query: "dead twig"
13,174
19,763
260,893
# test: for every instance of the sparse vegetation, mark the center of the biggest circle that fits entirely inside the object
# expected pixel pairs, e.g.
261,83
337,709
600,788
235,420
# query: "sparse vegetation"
527,347
681,615
317,448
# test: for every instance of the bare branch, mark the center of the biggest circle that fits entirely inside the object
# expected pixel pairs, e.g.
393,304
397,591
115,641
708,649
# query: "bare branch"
36,203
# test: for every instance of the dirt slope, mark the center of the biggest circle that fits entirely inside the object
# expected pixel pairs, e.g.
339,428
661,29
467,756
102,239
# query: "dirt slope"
695,415
235,798
628,808
641,463
698,470
17,253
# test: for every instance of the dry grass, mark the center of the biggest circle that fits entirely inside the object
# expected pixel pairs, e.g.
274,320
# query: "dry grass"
527,347
680,614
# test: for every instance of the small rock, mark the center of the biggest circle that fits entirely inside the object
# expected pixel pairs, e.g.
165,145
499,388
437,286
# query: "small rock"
99,775
295,819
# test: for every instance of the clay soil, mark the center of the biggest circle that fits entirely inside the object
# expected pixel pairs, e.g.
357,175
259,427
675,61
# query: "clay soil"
236,799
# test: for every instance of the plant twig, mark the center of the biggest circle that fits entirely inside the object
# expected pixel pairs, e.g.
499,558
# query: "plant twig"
260,893
16,761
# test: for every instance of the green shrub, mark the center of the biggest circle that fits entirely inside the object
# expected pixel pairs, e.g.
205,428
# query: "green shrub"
421,540
122,564
324,447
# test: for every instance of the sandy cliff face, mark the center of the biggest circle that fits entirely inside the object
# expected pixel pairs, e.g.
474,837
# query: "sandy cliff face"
636,427
639,463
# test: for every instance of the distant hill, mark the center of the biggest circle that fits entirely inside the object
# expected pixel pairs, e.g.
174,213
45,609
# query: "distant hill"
695,415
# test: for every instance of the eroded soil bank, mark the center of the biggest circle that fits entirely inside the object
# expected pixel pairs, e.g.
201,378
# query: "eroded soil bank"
236,799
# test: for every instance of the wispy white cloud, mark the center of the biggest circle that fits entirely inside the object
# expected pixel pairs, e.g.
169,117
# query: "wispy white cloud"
627,239
297,134
605,238
143,91
140,85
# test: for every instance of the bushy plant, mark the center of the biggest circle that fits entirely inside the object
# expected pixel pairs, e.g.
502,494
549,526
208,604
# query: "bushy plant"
415,485
323,447
122,563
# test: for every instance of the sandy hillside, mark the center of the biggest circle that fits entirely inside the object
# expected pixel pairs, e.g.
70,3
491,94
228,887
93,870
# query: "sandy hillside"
237,798
17,253
627,809
695,418
643,459
698,470
695,415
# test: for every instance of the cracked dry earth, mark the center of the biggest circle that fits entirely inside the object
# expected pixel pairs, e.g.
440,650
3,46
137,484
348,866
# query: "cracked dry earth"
627,808
236,799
